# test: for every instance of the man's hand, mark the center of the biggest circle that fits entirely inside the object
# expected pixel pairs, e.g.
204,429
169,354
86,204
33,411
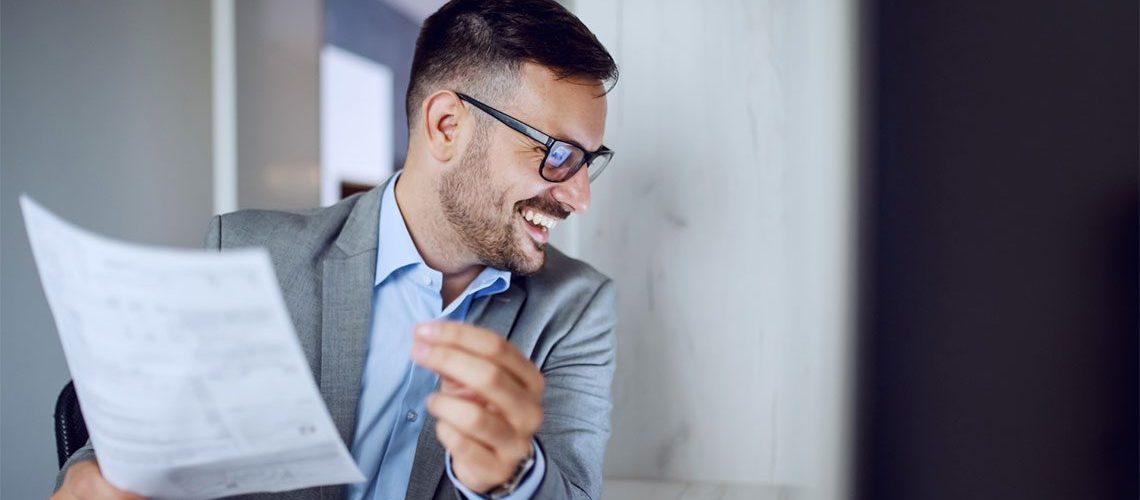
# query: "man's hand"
491,405
84,480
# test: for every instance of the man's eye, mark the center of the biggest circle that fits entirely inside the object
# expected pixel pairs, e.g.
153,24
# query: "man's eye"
558,155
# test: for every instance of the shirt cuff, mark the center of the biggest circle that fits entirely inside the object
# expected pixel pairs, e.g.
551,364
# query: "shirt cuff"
526,488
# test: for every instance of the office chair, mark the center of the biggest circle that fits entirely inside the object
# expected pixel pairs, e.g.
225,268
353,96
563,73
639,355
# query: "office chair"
70,429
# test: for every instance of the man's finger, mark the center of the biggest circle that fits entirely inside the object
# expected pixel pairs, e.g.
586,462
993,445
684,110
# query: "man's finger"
484,343
480,424
453,388
491,381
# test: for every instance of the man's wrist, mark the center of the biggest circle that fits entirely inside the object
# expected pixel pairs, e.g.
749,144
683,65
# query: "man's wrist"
512,483
531,481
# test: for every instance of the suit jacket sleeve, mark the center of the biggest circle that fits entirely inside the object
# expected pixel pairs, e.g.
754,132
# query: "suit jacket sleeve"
576,427
87,452
214,235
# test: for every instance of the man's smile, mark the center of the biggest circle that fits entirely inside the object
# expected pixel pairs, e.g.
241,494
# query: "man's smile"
538,224
540,219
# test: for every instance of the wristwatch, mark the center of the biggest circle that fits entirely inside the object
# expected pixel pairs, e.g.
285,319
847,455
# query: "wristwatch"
504,490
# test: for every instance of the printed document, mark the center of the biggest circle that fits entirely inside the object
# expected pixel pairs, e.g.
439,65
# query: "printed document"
190,376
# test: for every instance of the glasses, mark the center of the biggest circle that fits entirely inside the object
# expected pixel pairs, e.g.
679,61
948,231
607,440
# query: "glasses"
563,158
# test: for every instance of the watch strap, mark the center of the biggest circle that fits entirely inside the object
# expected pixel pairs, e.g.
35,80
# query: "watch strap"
504,490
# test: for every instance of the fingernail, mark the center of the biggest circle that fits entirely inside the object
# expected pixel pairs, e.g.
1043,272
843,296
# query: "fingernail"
420,352
428,330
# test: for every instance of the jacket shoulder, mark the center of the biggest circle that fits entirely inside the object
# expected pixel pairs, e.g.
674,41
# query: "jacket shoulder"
280,231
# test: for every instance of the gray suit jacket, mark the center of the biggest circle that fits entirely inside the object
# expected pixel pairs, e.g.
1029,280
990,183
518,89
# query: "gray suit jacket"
562,318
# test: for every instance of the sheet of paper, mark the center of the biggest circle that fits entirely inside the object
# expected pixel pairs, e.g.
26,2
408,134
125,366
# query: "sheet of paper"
189,373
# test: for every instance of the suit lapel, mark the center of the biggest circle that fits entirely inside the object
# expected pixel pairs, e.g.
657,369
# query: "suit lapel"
348,272
496,313
347,303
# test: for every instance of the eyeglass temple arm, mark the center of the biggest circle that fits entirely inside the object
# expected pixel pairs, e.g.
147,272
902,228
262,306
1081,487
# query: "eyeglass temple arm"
522,127
509,120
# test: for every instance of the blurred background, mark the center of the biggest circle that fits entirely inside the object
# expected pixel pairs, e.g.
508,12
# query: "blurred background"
867,250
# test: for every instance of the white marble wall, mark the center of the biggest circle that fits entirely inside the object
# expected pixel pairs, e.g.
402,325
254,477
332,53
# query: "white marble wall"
724,220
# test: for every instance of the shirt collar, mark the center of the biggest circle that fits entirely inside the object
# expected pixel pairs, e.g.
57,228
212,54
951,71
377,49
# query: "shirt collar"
395,248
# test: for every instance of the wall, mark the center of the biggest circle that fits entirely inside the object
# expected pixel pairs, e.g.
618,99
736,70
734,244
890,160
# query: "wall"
105,112
725,222
277,47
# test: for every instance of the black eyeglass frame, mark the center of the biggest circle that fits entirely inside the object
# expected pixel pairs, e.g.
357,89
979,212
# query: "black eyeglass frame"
546,140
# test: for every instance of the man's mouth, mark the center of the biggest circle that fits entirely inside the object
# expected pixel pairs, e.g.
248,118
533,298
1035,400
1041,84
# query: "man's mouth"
539,216
539,219
538,225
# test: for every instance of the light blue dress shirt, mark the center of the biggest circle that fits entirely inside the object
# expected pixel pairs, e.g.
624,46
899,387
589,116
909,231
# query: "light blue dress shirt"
391,411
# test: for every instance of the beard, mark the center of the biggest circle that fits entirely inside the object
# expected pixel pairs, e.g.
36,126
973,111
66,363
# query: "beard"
474,207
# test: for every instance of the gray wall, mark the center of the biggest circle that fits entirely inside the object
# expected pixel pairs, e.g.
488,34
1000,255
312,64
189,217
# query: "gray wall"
105,118
277,47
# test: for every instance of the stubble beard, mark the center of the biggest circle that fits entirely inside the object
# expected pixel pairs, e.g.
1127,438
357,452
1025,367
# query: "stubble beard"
473,207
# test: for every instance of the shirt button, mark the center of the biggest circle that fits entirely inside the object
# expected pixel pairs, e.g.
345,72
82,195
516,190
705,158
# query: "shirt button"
411,416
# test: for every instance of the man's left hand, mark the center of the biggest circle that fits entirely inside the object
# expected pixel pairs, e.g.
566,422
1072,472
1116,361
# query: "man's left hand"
491,405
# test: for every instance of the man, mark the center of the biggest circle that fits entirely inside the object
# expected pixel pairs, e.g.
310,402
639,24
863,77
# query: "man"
506,112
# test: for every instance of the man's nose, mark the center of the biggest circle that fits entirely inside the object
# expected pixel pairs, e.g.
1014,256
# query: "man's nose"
574,193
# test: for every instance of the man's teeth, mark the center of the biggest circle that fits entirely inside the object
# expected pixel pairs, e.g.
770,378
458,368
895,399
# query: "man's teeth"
539,219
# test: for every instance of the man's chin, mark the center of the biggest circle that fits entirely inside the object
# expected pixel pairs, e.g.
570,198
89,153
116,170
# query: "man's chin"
529,261
532,264
522,260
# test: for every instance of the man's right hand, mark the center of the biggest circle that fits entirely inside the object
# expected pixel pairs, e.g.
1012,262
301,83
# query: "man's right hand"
85,481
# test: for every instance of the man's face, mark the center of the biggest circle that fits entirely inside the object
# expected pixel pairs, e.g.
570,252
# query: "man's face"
496,187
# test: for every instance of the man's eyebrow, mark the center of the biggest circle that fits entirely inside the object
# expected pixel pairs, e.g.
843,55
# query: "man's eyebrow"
555,136
562,137
575,143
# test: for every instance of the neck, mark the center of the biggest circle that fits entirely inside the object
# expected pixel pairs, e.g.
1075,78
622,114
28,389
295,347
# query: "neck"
435,240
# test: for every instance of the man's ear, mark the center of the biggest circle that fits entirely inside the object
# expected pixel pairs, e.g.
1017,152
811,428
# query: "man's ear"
441,113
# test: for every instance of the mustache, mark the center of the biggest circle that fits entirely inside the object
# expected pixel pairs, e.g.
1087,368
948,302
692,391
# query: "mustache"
545,206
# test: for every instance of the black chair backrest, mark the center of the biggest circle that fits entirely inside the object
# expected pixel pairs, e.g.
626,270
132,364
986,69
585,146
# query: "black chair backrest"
70,429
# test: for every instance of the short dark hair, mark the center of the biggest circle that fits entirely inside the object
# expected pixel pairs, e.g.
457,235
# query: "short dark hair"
479,46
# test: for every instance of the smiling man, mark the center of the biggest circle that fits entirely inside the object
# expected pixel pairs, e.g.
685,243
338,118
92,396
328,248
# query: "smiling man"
459,354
